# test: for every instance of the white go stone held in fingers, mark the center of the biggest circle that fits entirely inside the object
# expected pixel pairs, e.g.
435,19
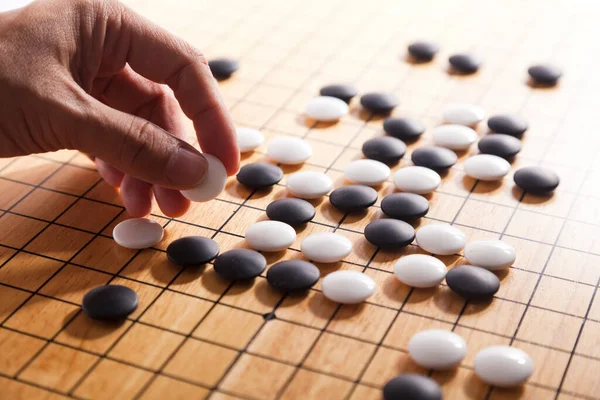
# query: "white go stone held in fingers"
212,184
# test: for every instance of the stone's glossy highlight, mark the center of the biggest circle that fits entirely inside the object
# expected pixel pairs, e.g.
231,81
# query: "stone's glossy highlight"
490,254
545,74
465,63
379,103
537,180
389,234
512,125
405,206
309,184
463,114
420,270
223,68
500,145
293,275
351,198
109,302
366,172
192,251
412,387
347,287
289,150
294,212
213,183
326,108
416,179
240,264
270,236
326,247
437,349
259,175
434,157
423,51
138,233
441,239
503,366
486,167
386,149
342,92
249,139
454,137
403,128
472,283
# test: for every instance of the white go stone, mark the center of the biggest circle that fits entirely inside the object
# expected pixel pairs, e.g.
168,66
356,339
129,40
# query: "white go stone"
503,366
416,179
249,139
347,287
326,247
437,349
326,108
454,137
463,114
490,254
212,184
366,172
309,184
486,167
138,233
441,239
270,236
289,150
420,270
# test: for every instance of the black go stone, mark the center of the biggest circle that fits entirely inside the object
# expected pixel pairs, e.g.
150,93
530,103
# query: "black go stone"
192,251
379,103
536,180
240,264
508,124
403,128
434,157
223,68
405,206
472,283
293,275
292,211
342,92
389,234
387,149
352,198
423,51
500,145
412,387
259,175
545,74
109,302
465,63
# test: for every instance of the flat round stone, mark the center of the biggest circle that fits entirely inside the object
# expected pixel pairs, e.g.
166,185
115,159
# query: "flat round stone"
309,184
259,175
192,251
420,270
403,128
326,108
138,233
463,114
465,63
503,366
240,264
326,247
412,387
486,167
213,183
537,180
293,275
512,125
289,150
347,287
418,180
109,302
294,212
423,51
223,68
387,149
454,137
342,92
437,349
270,236
389,234
500,145
545,74
434,157
441,239
379,103
366,172
249,139
472,283
351,198
405,206
490,254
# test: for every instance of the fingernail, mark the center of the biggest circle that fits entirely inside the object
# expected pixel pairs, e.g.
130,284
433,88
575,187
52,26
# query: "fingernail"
186,168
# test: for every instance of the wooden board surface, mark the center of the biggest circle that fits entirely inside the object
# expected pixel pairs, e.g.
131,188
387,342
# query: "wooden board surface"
196,336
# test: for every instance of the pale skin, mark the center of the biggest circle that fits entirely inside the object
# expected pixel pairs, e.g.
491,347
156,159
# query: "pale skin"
94,76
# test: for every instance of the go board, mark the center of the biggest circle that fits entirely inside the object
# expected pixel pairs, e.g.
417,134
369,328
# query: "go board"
195,336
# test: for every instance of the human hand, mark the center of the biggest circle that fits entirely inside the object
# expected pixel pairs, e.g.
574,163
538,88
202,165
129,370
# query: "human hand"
94,76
